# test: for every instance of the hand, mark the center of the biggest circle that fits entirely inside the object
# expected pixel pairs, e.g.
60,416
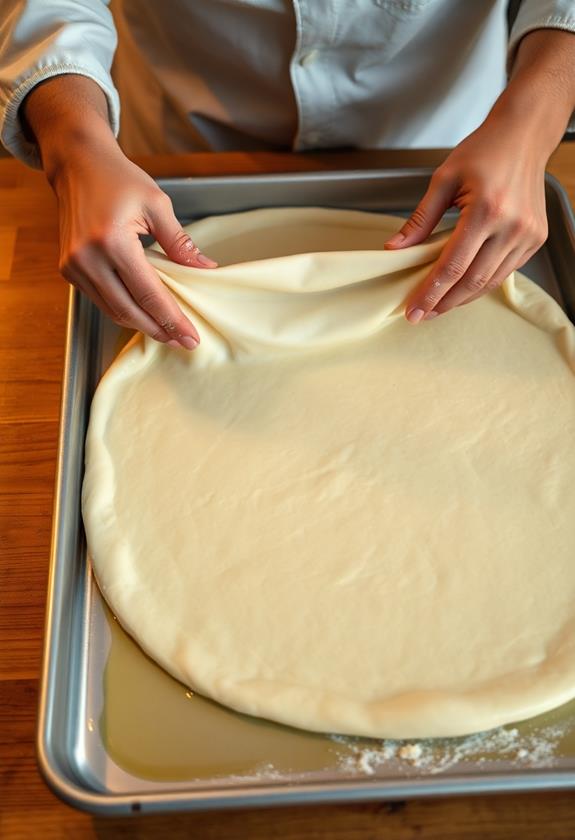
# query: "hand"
496,179
105,201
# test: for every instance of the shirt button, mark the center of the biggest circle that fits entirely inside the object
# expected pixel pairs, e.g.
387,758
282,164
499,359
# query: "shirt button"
308,58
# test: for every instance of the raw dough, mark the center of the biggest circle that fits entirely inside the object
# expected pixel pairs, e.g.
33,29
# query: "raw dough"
328,517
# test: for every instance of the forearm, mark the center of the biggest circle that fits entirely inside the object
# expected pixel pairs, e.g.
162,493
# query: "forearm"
540,96
65,114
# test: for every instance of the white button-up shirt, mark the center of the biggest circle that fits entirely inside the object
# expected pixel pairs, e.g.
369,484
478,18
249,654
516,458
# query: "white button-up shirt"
265,74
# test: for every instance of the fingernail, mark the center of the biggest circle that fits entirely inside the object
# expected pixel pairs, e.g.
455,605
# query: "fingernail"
206,261
173,343
396,239
431,315
189,342
414,316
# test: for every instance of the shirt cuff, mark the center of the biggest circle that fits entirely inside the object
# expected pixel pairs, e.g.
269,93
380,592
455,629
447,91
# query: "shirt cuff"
11,130
527,21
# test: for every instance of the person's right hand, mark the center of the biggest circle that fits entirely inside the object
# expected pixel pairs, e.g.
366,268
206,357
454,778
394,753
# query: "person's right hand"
105,201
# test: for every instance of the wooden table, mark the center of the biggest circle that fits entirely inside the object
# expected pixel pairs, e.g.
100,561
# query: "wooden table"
33,302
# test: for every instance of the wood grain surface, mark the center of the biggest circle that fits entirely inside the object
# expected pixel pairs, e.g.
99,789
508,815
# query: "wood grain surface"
33,301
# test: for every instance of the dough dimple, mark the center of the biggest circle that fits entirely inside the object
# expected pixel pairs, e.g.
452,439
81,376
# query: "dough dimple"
331,518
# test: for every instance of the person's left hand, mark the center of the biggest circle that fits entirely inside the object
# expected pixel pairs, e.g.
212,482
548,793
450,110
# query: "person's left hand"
496,179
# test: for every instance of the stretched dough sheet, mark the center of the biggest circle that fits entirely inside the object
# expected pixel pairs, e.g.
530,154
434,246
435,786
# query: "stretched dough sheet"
326,516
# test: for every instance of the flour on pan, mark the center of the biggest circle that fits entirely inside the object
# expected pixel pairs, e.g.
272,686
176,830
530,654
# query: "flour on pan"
538,748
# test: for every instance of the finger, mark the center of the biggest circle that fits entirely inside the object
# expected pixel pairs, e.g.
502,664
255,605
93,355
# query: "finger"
87,288
106,290
177,244
455,259
150,294
90,291
507,267
427,214
490,257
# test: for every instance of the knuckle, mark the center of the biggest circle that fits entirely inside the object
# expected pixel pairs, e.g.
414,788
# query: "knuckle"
492,208
167,325
182,242
516,226
475,282
527,228
433,293
418,217
539,235
122,317
493,284
452,271
442,175
430,298
166,322
104,239
148,299
160,199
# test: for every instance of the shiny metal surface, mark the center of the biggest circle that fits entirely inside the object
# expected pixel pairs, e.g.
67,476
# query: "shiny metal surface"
71,755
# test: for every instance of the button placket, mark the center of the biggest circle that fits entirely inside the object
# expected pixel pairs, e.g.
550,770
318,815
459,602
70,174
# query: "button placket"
306,53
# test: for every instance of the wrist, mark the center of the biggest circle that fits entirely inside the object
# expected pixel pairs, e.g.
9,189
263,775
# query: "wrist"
540,96
67,116
531,117
68,145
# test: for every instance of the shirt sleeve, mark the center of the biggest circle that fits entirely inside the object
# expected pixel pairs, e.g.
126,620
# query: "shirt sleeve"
40,39
541,14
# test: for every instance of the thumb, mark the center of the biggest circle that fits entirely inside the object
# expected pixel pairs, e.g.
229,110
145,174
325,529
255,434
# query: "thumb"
177,244
426,215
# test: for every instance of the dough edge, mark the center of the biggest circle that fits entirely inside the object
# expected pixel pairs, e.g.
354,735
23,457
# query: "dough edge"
412,715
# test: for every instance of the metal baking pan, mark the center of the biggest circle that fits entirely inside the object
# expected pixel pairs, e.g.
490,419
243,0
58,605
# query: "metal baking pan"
108,714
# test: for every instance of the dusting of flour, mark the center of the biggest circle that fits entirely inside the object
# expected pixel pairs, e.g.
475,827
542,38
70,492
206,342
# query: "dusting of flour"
531,747
537,748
